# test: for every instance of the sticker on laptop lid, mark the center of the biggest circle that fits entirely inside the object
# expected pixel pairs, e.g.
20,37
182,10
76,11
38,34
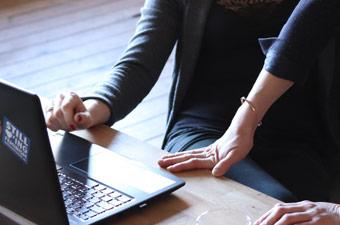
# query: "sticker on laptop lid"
16,140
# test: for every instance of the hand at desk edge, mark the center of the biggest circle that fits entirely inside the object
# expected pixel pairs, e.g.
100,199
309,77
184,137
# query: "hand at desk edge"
302,213
69,112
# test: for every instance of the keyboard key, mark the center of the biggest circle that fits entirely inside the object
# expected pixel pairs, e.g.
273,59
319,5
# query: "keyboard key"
107,191
83,216
91,214
106,198
115,194
105,205
88,204
92,191
82,211
69,211
99,187
115,202
93,186
94,200
97,209
87,196
124,198
98,195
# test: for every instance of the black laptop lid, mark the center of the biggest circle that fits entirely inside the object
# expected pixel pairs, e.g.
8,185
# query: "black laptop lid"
29,183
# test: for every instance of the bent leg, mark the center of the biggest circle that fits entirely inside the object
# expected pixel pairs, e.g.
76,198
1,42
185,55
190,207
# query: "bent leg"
297,169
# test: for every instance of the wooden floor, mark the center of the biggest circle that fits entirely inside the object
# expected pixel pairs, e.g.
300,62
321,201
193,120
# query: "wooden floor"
50,46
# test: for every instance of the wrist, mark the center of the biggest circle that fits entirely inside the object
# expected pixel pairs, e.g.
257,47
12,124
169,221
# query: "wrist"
266,90
98,110
245,120
253,109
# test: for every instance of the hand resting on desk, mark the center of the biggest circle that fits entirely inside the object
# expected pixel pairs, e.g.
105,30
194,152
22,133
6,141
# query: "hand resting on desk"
232,147
302,213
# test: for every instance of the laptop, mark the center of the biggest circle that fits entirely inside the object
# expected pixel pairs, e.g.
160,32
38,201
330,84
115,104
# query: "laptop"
71,182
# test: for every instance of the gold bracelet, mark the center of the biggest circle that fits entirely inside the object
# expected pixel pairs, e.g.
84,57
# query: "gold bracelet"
251,105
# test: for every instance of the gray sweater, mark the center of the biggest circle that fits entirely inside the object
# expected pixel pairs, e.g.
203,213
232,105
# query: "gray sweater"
163,23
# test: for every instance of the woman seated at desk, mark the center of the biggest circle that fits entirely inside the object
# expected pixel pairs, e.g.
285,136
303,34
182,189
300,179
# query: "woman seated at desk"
217,61
312,34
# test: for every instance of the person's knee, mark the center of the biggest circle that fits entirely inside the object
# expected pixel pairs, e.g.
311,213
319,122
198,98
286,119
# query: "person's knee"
248,173
283,195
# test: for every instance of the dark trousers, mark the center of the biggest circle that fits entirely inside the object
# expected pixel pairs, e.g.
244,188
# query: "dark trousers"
285,170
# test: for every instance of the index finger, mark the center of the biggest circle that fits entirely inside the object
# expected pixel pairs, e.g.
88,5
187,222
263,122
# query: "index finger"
177,158
195,151
191,164
279,210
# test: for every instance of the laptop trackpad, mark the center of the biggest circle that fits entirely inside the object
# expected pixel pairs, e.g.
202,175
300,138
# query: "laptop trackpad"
119,172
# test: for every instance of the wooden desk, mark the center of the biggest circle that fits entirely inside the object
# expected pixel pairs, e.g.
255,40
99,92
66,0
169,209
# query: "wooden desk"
220,200
232,202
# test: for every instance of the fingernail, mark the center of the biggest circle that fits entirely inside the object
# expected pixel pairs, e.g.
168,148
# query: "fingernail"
79,118
214,172
72,127
170,167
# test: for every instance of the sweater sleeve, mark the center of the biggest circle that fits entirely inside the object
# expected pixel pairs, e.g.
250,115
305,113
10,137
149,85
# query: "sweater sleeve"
139,67
301,40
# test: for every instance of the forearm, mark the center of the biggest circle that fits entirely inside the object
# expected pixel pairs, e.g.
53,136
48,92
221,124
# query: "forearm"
305,34
139,67
266,90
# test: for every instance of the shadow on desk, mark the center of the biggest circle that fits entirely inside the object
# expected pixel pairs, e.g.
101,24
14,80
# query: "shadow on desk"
157,211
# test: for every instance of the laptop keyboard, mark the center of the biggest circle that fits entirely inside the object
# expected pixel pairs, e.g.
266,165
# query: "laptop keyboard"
86,201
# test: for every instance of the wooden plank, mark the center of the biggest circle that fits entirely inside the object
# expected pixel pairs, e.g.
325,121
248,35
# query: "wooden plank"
66,12
22,7
67,69
33,13
78,40
53,31
116,40
11,4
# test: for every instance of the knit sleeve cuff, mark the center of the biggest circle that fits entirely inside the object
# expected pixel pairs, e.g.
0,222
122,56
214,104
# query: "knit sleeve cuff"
277,62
